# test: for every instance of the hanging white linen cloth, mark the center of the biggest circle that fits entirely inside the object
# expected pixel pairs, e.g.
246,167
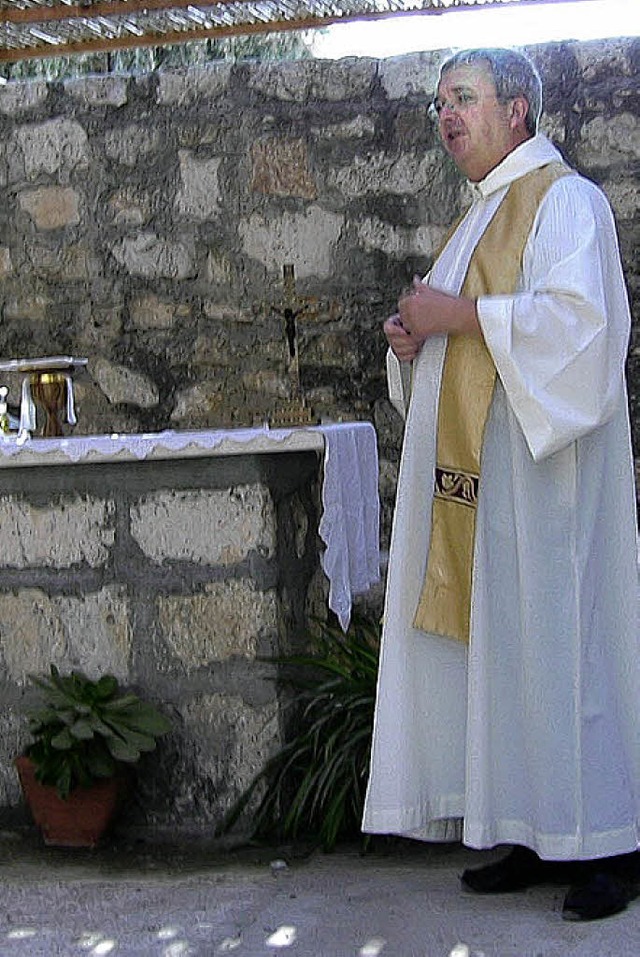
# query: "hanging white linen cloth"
350,522
531,734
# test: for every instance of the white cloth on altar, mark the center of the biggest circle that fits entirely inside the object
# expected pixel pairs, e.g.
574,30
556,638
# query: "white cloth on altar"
350,522
531,734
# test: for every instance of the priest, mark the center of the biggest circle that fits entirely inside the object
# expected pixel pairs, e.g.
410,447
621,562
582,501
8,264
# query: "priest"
508,705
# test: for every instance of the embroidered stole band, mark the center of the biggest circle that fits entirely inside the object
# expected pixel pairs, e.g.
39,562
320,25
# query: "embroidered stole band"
466,391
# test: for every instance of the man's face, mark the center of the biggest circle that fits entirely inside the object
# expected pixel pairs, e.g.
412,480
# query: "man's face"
477,131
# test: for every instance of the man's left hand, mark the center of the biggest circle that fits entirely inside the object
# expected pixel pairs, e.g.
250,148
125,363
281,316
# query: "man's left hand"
425,312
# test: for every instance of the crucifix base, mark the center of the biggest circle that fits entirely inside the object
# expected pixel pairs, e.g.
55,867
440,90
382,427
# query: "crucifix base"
293,412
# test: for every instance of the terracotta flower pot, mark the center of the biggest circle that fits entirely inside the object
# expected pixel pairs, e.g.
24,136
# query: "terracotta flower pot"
77,821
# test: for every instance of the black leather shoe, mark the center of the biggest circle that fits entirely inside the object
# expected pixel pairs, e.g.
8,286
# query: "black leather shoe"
603,895
521,868
626,866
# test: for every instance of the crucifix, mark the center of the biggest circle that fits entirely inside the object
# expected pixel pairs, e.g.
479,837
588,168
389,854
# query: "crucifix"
291,309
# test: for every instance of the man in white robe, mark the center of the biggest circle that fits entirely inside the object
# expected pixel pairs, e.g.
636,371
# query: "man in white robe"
529,734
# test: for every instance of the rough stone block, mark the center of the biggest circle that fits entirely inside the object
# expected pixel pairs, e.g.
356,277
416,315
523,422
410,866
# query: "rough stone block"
120,384
70,262
59,144
90,633
184,88
98,90
376,234
76,531
100,331
300,525
553,125
399,242
227,618
214,350
131,144
427,240
8,161
220,270
615,137
17,97
51,207
598,59
226,312
624,198
217,527
267,383
203,403
381,173
152,257
412,128
233,742
34,307
6,265
303,81
281,168
199,196
305,239
151,312
406,75
129,207
360,127
332,349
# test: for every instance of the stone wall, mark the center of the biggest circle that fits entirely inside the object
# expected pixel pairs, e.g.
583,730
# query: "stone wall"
146,221
178,577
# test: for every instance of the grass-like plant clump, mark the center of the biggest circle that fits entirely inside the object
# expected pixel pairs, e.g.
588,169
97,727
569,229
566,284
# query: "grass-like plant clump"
314,787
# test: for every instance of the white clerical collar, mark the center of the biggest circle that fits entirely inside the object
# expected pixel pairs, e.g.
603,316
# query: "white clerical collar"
530,155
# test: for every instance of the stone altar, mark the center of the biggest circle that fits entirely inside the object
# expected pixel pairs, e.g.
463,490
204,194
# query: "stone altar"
175,561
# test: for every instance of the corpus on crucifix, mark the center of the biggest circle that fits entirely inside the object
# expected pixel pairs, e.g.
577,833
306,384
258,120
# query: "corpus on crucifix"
291,308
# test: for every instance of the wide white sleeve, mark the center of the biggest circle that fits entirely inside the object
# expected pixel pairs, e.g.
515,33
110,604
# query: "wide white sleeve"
560,343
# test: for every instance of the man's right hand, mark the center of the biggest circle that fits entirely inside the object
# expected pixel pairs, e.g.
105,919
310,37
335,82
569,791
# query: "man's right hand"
403,345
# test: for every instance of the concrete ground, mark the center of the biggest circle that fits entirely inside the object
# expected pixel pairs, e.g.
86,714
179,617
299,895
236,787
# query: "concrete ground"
399,900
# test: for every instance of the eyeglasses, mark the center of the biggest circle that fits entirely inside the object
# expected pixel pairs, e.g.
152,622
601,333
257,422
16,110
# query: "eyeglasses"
460,101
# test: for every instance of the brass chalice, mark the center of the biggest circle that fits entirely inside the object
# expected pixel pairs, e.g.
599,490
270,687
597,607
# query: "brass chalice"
49,391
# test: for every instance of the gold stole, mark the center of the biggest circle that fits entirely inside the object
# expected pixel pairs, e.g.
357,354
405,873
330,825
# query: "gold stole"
468,381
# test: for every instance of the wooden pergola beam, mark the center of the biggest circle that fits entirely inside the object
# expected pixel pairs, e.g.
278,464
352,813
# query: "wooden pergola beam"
122,8
106,9
179,36
112,9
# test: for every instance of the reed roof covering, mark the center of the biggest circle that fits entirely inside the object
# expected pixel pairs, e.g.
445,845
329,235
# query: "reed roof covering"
46,28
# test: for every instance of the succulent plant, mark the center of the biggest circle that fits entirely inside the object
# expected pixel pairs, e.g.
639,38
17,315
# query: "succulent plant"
84,730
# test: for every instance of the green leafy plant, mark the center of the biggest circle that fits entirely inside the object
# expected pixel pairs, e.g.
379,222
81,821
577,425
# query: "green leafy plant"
84,730
315,785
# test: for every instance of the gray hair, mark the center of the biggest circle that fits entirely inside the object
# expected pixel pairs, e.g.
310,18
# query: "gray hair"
513,74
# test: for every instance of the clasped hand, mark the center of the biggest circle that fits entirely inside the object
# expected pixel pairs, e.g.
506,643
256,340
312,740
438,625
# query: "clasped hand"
424,312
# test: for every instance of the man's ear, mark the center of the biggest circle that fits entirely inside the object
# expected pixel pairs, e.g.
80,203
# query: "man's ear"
519,109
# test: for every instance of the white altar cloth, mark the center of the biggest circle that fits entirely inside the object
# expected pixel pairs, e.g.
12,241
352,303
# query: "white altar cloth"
350,522
349,525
